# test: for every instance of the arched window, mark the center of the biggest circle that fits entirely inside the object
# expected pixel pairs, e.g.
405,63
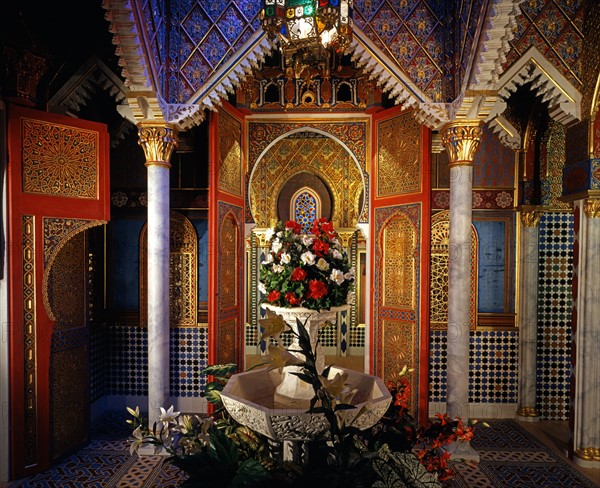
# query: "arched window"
305,207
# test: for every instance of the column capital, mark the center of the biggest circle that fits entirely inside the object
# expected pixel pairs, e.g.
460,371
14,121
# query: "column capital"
461,140
530,218
158,141
591,207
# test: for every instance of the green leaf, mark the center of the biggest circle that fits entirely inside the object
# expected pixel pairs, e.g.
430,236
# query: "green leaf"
223,450
250,473
220,370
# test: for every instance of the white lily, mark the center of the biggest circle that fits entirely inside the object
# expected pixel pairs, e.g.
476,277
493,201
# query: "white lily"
137,441
168,416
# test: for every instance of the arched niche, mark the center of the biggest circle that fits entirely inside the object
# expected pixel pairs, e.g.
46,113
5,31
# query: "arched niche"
309,158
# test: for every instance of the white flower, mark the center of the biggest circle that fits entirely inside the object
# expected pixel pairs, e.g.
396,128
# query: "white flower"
308,258
268,259
307,240
350,274
137,441
322,264
269,234
280,233
337,254
168,416
337,276
262,288
335,240
278,268
276,246
351,298
285,258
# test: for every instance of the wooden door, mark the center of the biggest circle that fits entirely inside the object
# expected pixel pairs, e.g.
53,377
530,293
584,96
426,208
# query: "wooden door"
400,215
226,237
58,186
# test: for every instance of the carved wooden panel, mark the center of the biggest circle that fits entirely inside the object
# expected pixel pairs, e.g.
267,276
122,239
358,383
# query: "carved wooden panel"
59,160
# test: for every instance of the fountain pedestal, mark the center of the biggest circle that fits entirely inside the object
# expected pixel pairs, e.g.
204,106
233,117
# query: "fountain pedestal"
293,392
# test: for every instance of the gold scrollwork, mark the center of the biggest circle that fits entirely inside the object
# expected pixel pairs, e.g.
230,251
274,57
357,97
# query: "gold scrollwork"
158,142
591,208
530,219
461,140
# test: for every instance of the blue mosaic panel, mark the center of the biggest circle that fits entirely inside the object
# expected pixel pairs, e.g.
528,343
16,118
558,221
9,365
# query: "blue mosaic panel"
305,211
188,355
127,371
493,366
554,314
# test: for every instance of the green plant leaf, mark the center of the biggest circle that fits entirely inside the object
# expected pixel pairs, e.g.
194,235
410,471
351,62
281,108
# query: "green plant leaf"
250,473
223,450
221,371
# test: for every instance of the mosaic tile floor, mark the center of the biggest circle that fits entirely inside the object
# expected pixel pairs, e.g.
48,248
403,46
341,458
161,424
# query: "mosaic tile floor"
510,457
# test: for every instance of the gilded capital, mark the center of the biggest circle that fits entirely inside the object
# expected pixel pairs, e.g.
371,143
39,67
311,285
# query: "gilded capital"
158,142
461,140
591,207
530,219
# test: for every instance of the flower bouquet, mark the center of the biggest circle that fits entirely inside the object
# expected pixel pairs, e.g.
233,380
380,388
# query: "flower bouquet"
306,270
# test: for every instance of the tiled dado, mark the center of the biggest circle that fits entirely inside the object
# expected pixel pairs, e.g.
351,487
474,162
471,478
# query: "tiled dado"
554,314
126,360
493,367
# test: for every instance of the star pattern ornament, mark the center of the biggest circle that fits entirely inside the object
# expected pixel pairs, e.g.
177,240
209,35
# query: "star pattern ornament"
273,325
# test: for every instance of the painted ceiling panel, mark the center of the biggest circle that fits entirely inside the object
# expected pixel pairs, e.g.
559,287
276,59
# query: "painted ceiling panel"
554,27
423,38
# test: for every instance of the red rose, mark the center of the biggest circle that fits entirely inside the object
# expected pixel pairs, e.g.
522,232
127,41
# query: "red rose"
327,227
316,289
298,275
320,247
273,296
293,226
292,299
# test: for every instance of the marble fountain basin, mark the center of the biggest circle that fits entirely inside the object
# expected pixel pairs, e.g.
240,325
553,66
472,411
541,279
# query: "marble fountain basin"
250,399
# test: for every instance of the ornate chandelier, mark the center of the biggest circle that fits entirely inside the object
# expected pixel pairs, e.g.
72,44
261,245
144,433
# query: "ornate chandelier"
308,31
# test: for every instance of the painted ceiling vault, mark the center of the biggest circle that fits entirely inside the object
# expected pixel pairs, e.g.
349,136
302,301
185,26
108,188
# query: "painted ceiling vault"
447,59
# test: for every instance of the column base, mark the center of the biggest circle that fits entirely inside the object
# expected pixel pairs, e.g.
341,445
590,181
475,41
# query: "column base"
461,450
152,451
587,457
527,414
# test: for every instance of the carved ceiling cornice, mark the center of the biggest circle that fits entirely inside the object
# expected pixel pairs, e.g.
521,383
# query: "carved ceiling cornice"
141,94
564,100
483,96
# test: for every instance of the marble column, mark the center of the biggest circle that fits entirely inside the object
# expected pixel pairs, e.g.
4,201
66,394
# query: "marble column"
461,140
158,142
586,338
528,302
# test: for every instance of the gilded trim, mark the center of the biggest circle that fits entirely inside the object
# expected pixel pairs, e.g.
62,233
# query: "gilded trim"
461,140
591,207
588,453
530,218
50,252
528,412
158,143
29,340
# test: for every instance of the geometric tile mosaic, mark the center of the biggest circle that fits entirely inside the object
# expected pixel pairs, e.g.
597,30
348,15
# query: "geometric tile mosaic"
126,368
327,337
493,366
510,456
554,314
